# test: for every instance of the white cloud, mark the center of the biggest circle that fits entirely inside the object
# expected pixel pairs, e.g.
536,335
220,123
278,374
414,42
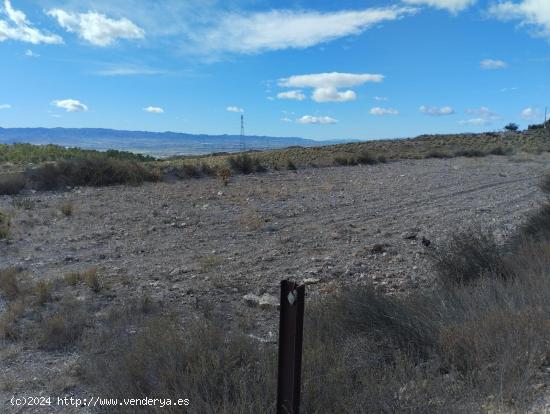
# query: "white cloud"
331,94
489,64
328,80
128,71
324,120
30,53
284,29
531,113
154,110
474,121
295,95
436,111
18,27
383,111
381,98
454,6
70,105
286,119
509,89
235,109
326,85
5,106
97,28
532,13
482,116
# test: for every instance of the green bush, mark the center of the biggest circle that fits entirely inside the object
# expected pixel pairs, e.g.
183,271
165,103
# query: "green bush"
245,164
437,154
89,172
28,153
470,153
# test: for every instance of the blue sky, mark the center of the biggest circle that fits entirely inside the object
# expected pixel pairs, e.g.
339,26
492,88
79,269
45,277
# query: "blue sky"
315,69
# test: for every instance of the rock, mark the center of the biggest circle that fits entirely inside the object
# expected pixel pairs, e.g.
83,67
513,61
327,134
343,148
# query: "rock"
269,301
311,281
378,248
265,301
410,235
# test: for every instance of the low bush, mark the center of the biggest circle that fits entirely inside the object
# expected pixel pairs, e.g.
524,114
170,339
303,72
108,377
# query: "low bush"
467,256
500,151
245,164
470,153
9,283
89,172
29,153
92,280
67,209
437,154
218,371
5,225
291,166
43,292
12,184
366,157
61,330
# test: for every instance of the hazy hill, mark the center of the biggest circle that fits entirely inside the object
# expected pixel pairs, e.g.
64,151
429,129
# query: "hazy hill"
154,143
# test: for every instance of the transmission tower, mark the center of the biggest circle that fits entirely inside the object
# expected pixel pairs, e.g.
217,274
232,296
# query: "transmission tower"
243,143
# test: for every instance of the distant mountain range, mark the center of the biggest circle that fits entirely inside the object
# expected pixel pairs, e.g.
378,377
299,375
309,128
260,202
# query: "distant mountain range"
159,144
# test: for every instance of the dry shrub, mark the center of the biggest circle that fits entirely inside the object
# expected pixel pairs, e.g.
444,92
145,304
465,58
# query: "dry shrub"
9,283
9,327
92,280
5,225
67,209
61,330
467,256
245,164
143,356
251,220
470,153
224,174
72,278
210,262
92,171
43,292
12,184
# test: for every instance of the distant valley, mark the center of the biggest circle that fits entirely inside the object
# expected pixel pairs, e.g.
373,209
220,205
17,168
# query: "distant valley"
158,144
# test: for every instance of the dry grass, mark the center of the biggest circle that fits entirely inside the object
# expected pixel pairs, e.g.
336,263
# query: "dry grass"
67,209
9,285
72,278
5,225
34,316
220,373
43,292
251,219
92,280
62,329
209,262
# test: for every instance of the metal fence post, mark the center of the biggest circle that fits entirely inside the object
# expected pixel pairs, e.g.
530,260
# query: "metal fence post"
291,325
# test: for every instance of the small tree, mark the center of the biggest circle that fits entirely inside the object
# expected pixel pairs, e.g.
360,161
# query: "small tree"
511,127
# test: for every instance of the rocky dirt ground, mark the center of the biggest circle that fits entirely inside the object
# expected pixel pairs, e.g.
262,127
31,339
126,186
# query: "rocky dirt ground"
203,247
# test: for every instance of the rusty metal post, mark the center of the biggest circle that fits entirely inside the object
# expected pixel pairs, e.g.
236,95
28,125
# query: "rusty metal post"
291,325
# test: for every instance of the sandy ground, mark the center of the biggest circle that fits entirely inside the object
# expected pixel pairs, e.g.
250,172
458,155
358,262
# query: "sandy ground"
198,245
